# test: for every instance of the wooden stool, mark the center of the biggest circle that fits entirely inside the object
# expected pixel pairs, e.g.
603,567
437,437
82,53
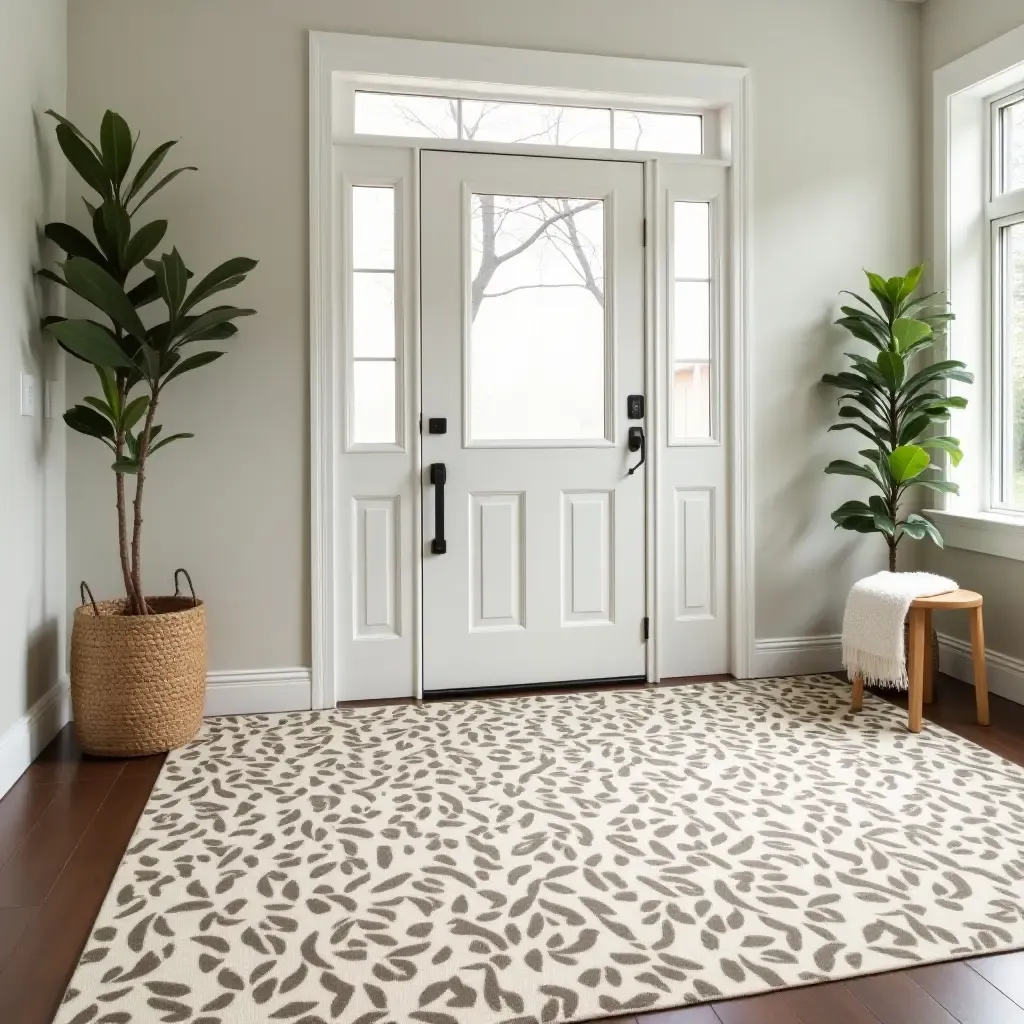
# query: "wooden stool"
921,670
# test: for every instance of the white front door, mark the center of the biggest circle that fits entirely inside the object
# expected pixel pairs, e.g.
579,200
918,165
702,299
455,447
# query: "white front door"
532,341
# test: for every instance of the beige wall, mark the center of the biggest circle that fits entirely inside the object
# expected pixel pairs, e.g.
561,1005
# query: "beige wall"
836,165
952,28
32,75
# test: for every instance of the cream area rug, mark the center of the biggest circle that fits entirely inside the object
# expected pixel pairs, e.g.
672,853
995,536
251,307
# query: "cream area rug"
555,858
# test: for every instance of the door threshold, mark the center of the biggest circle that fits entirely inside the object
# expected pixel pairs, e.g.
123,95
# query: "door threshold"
514,689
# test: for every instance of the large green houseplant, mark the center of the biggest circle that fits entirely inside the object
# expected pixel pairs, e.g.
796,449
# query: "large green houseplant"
895,402
136,356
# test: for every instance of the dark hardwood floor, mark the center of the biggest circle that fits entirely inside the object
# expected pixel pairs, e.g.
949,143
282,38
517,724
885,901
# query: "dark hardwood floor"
65,825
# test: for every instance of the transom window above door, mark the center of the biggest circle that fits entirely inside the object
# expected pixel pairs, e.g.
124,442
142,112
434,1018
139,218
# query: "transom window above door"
514,122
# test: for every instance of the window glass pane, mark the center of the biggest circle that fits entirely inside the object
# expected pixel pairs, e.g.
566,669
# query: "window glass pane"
373,314
484,121
379,113
537,336
692,239
660,133
1013,239
373,228
373,408
691,401
1013,146
692,315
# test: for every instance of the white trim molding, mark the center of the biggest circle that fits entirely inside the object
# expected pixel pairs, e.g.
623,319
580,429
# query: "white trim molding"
797,655
257,691
340,63
227,693
25,740
963,211
1005,674
990,533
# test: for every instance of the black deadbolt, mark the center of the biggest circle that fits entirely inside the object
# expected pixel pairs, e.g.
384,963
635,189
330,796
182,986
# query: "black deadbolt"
635,407
437,425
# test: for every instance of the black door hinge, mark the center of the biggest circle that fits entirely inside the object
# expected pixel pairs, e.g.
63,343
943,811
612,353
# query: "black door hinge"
645,232
647,628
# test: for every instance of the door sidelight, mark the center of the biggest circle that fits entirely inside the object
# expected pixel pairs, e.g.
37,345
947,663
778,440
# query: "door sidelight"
637,442
438,476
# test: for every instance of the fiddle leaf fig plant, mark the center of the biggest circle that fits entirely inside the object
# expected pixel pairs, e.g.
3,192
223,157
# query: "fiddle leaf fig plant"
894,402
135,356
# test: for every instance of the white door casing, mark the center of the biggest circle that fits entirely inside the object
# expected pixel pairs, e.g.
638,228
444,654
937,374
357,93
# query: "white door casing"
543,575
366,637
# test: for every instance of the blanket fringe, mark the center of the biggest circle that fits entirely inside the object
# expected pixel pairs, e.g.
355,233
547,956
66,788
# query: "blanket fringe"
875,669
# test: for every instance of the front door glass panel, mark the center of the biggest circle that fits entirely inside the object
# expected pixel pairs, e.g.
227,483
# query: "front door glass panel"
536,320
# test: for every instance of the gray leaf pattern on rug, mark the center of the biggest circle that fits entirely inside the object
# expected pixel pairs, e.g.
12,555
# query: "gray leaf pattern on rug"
542,859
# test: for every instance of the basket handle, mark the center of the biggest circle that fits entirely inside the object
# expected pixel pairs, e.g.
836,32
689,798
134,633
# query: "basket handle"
177,590
85,589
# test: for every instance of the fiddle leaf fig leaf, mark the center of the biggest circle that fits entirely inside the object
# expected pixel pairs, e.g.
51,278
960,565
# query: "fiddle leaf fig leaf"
168,440
910,283
95,285
908,461
907,333
171,279
83,158
917,528
192,363
91,342
841,467
892,368
143,242
148,168
227,275
949,445
116,145
134,411
88,421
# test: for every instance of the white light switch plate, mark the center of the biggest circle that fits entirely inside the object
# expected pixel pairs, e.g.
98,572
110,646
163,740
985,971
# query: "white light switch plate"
28,395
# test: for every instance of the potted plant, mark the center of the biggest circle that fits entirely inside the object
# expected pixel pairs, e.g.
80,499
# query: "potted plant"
138,663
895,406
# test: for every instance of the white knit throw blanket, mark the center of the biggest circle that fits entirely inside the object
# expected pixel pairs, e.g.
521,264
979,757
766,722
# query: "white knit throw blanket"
873,623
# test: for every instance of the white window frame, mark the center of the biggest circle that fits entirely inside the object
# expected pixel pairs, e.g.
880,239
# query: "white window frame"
716,282
348,181
340,64
968,211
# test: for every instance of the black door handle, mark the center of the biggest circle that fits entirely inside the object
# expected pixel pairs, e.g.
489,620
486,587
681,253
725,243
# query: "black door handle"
438,475
637,442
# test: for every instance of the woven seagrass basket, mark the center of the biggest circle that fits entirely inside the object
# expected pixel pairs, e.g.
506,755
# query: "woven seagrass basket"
138,682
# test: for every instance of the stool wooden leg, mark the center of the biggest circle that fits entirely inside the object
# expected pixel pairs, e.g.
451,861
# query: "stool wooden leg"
978,657
858,693
915,670
929,660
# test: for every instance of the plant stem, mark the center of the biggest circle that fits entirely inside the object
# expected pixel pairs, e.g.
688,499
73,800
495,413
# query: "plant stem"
140,483
122,535
894,494
122,518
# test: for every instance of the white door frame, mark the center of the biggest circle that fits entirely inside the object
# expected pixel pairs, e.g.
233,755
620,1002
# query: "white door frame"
339,62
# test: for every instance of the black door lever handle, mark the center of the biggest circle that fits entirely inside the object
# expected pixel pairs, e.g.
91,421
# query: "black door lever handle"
636,441
438,476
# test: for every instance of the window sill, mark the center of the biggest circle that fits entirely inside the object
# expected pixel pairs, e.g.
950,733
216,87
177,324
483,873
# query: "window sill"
990,533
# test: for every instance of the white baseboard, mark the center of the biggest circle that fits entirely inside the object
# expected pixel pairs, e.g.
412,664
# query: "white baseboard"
1005,674
24,741
259,691
227,693
797,655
